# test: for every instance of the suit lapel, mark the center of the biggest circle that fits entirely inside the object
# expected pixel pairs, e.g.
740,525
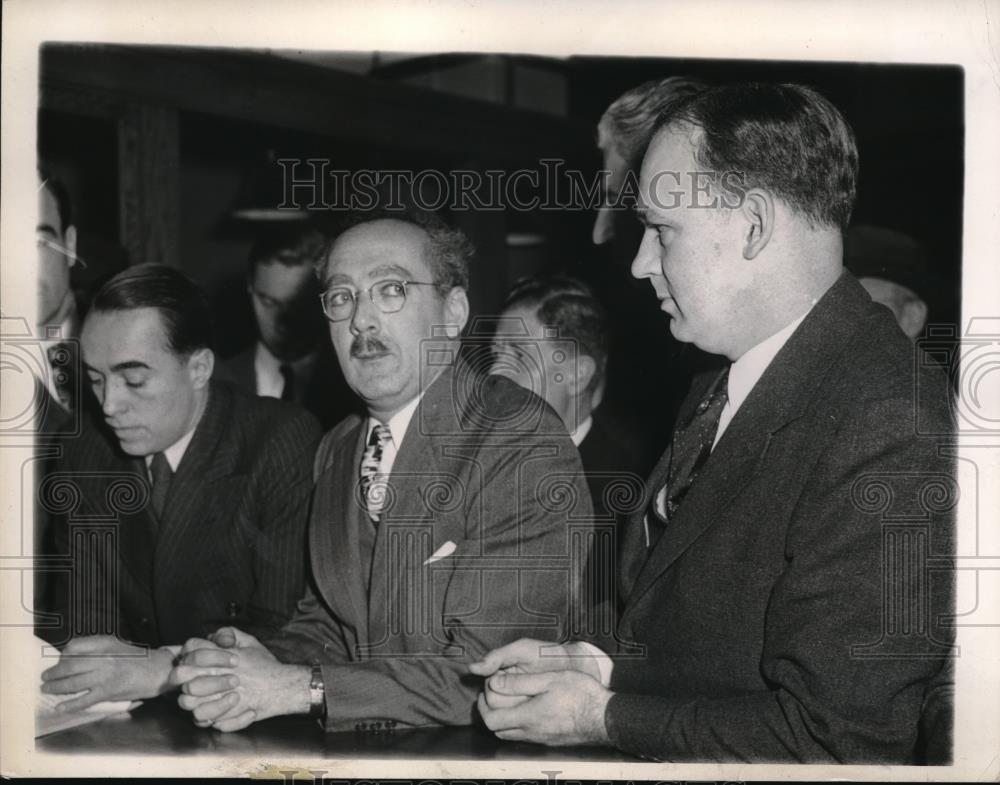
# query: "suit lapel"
334,537
780,396
415,464
137,531
196,499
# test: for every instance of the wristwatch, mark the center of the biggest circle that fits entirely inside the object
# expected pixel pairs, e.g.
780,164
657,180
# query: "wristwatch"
317,693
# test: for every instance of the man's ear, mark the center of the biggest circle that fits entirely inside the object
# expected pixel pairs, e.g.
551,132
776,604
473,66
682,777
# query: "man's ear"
758,212
200,365
456,309
585,370
913,317
69,236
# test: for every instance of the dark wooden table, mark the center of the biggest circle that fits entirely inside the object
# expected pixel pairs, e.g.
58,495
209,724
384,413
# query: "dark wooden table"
160,728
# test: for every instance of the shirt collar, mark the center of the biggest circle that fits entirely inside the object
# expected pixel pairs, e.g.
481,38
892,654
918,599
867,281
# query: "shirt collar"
398,423
747,370
581,431
175,451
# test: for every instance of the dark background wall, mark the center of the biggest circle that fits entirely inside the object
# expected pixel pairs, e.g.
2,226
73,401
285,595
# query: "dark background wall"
157,145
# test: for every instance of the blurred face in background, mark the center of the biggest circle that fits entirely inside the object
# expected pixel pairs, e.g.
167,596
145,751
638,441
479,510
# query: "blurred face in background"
56,254
289,319
534,356
614,163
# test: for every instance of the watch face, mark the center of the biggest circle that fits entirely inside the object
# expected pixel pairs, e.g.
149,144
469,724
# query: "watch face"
317,693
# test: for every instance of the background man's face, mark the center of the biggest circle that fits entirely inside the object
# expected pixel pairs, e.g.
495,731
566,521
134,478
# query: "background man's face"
53,264
147,392
614,163
691,253
381,353
525,354
287,313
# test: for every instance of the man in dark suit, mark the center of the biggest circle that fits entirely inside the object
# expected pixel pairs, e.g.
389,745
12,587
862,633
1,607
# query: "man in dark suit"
185,510
453,518
762,572
57,398
552,339
290,359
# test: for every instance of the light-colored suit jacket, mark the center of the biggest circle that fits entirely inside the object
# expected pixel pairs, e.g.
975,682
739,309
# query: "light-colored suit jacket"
485,467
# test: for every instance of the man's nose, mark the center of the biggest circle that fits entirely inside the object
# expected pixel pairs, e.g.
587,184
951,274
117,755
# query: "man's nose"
647,260
112,399
604,226
365,316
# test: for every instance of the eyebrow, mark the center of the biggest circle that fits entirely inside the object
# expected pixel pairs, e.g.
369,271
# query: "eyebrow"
128,365
47,228
389,269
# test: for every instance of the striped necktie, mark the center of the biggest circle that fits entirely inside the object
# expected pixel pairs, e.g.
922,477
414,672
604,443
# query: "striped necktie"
374,490
691,446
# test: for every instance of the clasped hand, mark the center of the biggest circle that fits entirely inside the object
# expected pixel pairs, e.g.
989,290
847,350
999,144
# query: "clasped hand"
231,680
543,692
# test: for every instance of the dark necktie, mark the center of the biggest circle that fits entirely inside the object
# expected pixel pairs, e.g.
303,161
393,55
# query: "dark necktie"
62,362
374,490
692,444
162,474
288,390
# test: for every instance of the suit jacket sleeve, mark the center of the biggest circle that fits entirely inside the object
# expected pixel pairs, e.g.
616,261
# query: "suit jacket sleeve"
827,699
284,472
519,525
312,635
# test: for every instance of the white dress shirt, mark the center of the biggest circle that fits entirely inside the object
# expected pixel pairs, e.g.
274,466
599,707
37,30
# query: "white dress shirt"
397,425
581,431
174,452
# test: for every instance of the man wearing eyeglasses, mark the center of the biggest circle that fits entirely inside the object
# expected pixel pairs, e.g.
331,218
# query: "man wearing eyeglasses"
57,320
441,522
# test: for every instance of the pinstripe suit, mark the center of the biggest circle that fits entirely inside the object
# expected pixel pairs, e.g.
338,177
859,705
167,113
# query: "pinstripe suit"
229,547
396,652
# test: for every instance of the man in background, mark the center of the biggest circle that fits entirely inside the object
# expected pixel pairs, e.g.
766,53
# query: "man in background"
552,339
58,319
653,391
623,134
208,487
291,358
892,267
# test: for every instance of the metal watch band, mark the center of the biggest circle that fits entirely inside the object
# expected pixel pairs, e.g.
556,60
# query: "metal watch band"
317,693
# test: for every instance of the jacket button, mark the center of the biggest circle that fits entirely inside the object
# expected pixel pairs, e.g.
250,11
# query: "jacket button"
143,622
233,609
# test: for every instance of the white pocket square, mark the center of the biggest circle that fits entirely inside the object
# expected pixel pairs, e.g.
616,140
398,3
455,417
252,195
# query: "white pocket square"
443,552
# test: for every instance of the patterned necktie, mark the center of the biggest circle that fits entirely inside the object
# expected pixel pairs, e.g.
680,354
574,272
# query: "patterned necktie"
288,389
162,474
62,362
692,443
374,490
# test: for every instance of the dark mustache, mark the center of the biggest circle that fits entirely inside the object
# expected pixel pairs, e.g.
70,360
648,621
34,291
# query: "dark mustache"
367,344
